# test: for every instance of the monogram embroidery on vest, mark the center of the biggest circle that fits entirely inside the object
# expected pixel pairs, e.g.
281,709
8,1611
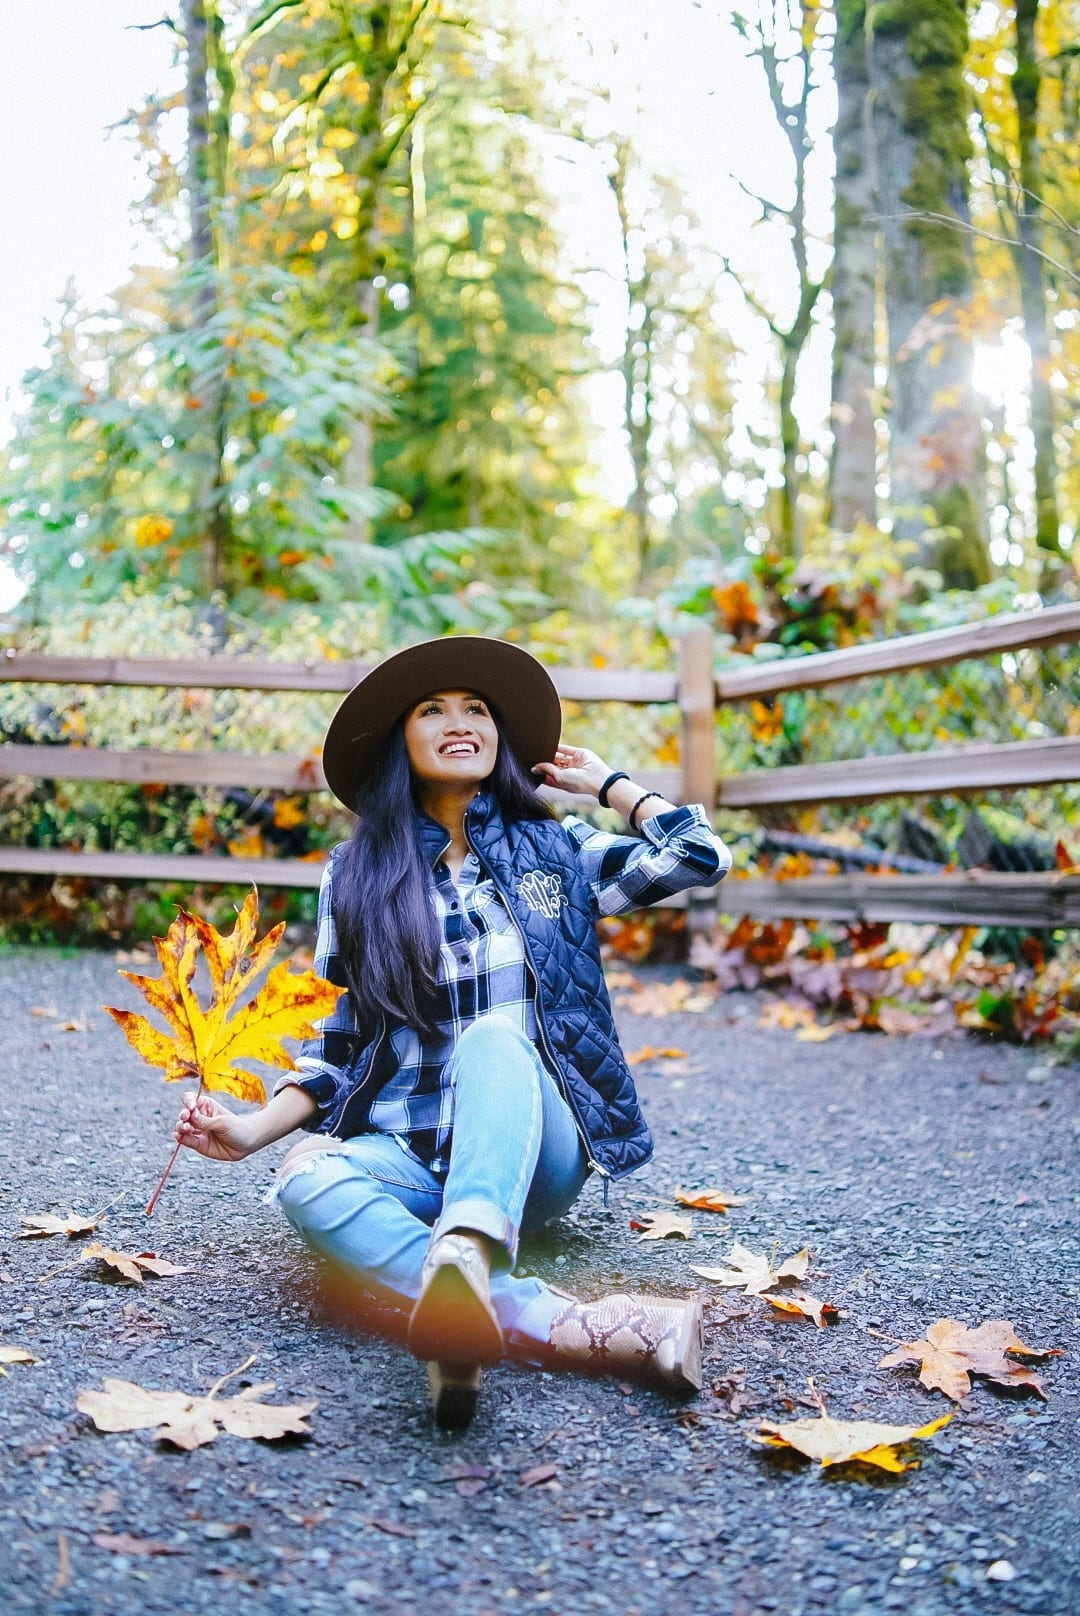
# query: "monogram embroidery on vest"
543,893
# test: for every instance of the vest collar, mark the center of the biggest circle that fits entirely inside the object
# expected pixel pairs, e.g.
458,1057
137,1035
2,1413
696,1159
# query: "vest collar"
435,839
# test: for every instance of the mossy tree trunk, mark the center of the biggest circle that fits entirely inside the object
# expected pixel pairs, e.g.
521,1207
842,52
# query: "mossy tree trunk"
853,471
1026,82
208,85
922,151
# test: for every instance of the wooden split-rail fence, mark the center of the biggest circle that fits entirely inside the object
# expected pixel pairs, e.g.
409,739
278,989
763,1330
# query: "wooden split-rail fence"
975,897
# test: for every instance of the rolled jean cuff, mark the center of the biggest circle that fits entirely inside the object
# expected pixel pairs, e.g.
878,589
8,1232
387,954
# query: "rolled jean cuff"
482,1217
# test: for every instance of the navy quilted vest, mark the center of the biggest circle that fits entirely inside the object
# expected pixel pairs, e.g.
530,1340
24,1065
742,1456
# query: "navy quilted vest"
534,865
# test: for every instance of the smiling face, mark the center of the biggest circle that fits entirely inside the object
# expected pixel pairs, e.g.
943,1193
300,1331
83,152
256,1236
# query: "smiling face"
451,739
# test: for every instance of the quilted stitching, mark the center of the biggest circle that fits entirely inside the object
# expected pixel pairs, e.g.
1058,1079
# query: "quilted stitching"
573,994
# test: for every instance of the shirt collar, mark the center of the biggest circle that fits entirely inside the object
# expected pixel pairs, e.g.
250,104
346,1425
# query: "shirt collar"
435,839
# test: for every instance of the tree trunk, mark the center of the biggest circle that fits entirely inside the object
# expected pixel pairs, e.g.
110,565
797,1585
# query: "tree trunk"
853,471
922,148
206,162
636,371
1025,87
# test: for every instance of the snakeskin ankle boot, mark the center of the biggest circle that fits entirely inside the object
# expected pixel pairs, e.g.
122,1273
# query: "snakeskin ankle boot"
643,1337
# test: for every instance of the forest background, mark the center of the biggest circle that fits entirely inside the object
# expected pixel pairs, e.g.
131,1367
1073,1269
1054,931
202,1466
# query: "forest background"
434,339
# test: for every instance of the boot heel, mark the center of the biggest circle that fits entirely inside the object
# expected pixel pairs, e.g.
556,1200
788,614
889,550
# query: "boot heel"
455,1391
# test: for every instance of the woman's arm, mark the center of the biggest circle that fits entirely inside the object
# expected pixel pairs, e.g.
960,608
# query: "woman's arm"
223,1135
575,768
677,848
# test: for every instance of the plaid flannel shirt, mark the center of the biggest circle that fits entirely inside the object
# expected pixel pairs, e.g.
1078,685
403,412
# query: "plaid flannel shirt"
483,970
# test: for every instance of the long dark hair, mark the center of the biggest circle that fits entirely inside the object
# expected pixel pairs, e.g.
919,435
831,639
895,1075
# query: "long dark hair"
388,939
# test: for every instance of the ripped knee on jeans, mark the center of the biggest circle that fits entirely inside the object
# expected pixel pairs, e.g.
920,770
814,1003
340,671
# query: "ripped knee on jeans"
303,1158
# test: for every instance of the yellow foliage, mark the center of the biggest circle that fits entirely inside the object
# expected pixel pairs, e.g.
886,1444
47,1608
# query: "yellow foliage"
152,530
288,813
205,1044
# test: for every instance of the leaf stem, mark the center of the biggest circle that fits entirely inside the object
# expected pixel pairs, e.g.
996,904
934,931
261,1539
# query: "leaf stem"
96,1217
218,1384
152,1202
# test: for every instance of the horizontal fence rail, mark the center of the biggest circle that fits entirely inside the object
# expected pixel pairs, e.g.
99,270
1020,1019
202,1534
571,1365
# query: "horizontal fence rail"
1013,631
955,898
1038,899
331,678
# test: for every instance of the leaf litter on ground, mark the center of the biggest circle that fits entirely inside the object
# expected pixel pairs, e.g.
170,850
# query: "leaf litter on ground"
191,1420
666,998
709,1200
133,1265
952,1352
662,1225
832,1442
801,1304
43,1224
40,1225
650,1052
14,1355
753,1273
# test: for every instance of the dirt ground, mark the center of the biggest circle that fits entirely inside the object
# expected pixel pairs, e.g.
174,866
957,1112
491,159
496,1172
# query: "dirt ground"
929,1177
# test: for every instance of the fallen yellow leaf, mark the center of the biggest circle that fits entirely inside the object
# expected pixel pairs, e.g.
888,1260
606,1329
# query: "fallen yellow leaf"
832,1441
710,1200
805,1306
816,1033
650,1052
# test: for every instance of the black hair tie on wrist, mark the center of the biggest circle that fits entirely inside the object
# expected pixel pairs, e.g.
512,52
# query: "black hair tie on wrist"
632,816
601,795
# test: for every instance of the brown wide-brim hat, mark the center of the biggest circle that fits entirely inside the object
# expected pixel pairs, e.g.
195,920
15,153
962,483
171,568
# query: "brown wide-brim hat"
519,688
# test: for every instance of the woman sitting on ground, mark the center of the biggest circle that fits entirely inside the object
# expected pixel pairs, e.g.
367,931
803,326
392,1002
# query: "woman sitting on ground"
471,1078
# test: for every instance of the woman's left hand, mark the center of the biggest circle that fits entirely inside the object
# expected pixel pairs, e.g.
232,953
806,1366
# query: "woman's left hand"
574,768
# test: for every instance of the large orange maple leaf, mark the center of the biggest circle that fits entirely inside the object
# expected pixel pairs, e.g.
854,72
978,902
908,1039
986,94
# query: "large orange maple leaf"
205,1044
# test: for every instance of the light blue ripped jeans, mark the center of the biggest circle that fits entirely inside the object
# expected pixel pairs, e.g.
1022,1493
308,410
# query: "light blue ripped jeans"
516,1160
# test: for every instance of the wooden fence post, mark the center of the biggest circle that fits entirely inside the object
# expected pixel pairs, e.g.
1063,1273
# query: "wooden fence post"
697,711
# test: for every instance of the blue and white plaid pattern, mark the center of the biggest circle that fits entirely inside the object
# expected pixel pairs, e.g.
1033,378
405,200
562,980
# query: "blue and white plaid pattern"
482,967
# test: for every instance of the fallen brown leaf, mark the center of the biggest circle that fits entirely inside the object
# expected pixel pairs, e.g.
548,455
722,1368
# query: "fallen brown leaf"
662,1225
805,1306
754,1274
15,1355
124,1543
190,1421
710,1200
538,1475
832,1441
43,1224
393,1528
951,1353
132,1265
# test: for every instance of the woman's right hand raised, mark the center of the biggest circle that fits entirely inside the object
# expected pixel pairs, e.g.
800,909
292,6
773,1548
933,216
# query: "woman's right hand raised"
213,1131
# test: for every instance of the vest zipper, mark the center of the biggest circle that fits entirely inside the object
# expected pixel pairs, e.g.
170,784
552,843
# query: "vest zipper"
366,1076
594,1165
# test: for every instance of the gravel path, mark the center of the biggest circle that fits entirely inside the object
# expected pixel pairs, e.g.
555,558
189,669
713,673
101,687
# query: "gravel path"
930,1178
